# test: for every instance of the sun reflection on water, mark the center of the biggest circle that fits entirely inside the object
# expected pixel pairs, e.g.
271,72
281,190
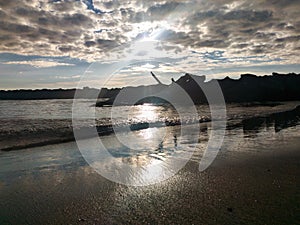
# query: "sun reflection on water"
146,134
147,112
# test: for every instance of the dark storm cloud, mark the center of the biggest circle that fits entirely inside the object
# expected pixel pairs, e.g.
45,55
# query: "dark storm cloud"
90,43
253,16
173,36
111,4
65,48
15,28
160,11
212,43
69,21
295,39
76,19
106,44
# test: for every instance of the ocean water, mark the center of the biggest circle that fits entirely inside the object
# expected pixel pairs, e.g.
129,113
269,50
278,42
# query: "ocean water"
26,123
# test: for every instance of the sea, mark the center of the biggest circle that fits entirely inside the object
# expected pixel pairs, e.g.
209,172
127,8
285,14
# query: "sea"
25,123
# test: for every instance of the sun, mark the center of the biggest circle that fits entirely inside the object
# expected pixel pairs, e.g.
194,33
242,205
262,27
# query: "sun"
152,35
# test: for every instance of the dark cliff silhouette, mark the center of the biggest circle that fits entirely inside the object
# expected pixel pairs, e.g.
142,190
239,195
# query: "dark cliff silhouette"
249,88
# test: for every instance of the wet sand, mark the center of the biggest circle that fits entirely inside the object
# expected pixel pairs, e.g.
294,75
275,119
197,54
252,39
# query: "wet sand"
242,186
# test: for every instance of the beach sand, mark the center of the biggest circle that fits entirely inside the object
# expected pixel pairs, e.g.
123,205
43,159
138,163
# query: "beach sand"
244,185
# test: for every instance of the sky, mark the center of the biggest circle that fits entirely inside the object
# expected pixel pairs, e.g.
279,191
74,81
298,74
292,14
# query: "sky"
74,43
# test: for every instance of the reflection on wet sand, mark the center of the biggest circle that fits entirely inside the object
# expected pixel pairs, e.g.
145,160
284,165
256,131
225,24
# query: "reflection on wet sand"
276,121
160,153
147,155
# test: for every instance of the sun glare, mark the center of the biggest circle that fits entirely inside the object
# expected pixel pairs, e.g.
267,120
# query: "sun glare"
152,35
147,112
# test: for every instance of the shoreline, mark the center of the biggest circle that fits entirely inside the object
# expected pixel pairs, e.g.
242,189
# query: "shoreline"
283,119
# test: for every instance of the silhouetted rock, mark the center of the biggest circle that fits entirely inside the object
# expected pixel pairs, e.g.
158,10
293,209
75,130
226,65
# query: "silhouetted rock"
252,88
249,88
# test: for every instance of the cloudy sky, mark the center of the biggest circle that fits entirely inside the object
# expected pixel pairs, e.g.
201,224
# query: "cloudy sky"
55,43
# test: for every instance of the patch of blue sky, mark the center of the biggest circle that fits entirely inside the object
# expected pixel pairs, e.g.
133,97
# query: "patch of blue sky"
90,6
10,57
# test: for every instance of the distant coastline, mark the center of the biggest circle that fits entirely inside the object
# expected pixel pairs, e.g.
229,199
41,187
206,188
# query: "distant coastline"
248,88
43,94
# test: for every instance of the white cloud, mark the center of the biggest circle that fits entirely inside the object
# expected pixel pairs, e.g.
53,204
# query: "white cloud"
38,63
67,77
